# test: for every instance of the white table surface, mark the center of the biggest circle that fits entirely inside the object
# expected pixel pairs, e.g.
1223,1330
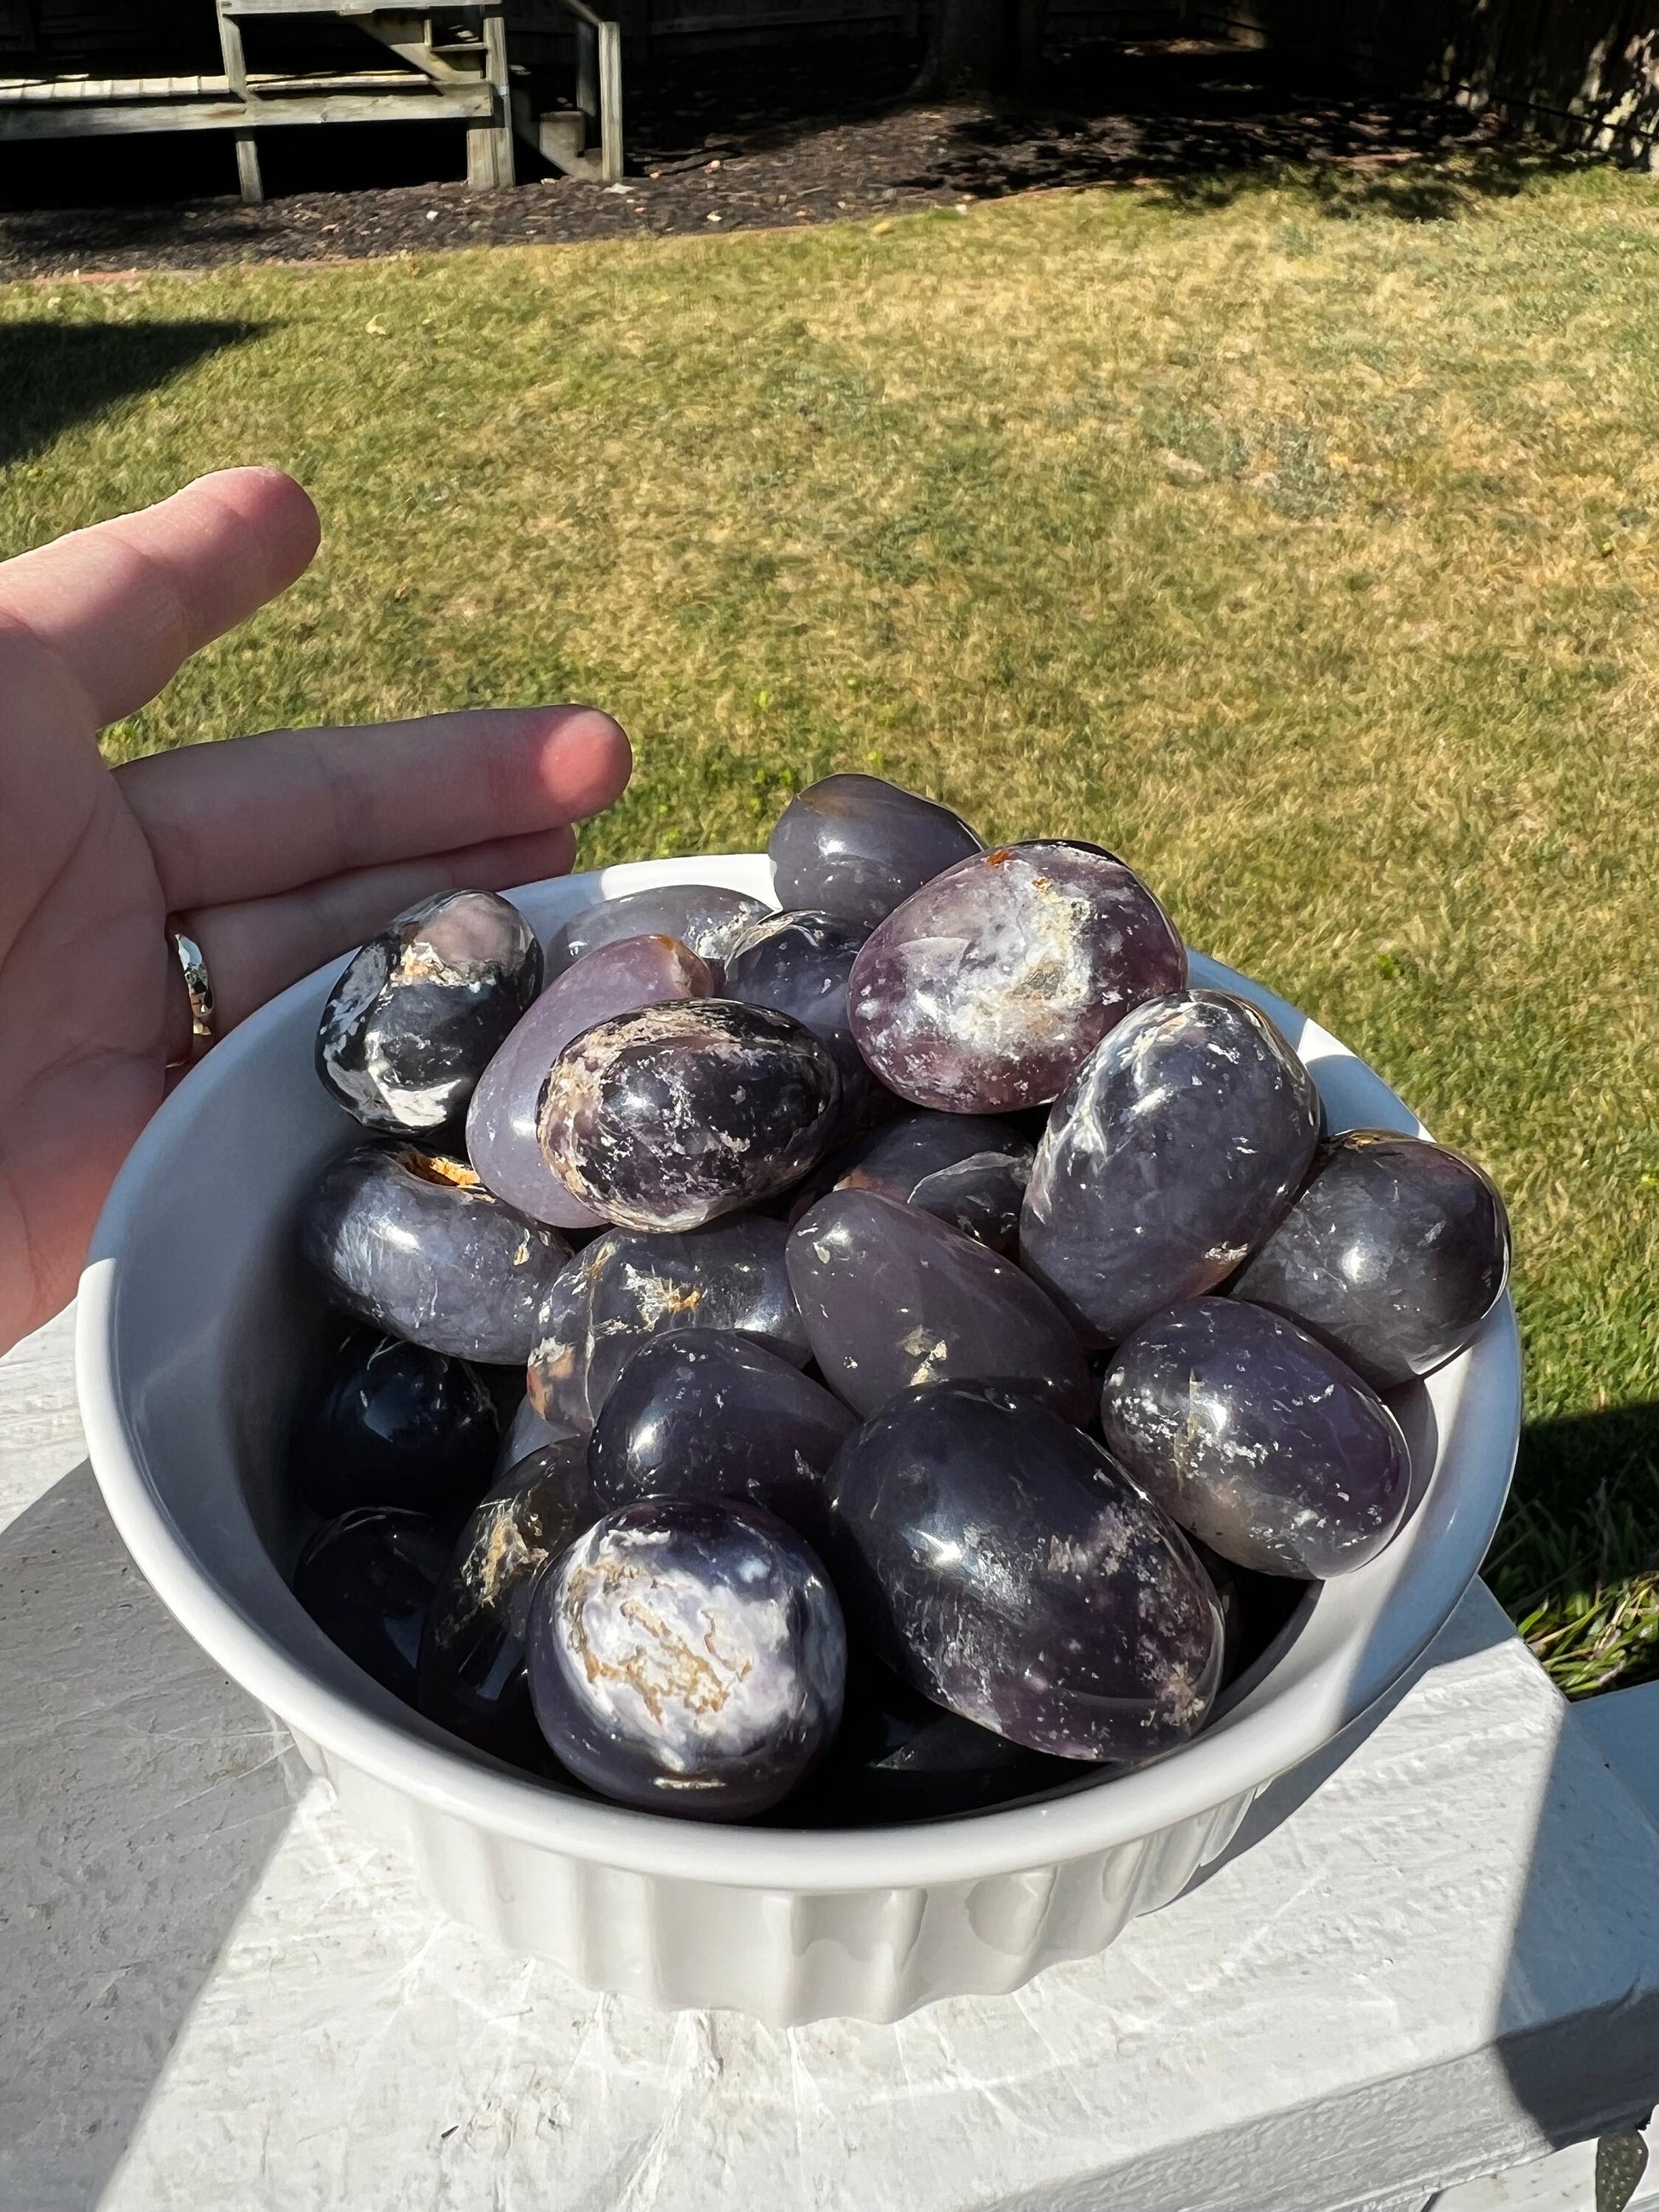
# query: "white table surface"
1437,1957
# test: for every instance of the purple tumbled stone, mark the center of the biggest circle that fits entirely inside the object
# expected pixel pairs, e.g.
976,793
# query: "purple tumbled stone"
707,1413
1173,1152
893,1299
471,1675
971,1172
528,1432
855,847
1394,1253
1257,1439
367,1578
500,1122
413,1242
989,986
999,1561
629,1286
799,964
899,1757
706,917
687,1656
666,1117
389,1423
416,1017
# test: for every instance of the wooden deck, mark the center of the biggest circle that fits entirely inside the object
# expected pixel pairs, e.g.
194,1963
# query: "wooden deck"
438,77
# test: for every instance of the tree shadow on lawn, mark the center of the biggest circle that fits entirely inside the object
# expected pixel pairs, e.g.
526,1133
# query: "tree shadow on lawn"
1202,119
55,375
1205,123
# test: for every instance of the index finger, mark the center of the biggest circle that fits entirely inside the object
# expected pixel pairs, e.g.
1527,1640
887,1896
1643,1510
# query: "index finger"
249,816
122,605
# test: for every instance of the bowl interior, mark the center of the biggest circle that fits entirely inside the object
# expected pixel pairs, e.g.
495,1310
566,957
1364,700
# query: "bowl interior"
197,1324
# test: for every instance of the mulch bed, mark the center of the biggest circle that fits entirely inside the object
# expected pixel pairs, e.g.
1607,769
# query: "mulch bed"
790,141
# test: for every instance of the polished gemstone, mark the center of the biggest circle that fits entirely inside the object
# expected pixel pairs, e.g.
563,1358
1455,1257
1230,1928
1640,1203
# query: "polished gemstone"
423,1008
855,847
473,1680
708,1413
999,1561
527,1431
1253,1435
799,964
670,1116
388,1423
687,1656
1394,1253
704,917
1174,1152
412,1241
989,986
627,1287
969,1172
500,1122
367,1578
900,1757
892,1299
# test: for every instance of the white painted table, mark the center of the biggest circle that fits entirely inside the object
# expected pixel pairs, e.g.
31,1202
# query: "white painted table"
1438,1959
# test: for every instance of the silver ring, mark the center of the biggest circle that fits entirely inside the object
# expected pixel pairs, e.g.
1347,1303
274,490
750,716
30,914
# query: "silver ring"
198,987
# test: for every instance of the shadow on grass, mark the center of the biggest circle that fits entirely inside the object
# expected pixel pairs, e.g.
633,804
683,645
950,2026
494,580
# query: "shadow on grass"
1205,123
55,375
1202,119
1576,1561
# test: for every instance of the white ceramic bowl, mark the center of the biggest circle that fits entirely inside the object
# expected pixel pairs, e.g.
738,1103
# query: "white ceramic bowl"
195,1326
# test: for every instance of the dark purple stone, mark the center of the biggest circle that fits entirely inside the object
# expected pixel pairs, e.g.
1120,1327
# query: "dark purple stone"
1393,1254
413,1242
422,1009
627,1287
798,964
988,987
471,1675
969,1172
367,1579
500,1122
892,1299
899,1757
854,846
1257,1439
710,1414
528,1432
674,1115
1174,1152
389,1423
687,1656
705,917
997,1559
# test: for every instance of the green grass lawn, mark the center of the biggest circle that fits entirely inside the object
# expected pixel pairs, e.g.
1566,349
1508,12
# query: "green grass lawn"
1306,552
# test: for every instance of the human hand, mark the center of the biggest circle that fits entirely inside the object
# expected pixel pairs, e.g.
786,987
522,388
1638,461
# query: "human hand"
274,853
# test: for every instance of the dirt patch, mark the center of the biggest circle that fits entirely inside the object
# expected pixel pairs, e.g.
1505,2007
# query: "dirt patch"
784,141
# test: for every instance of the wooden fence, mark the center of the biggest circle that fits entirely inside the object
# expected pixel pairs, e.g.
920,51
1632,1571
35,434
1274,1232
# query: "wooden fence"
1585,72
